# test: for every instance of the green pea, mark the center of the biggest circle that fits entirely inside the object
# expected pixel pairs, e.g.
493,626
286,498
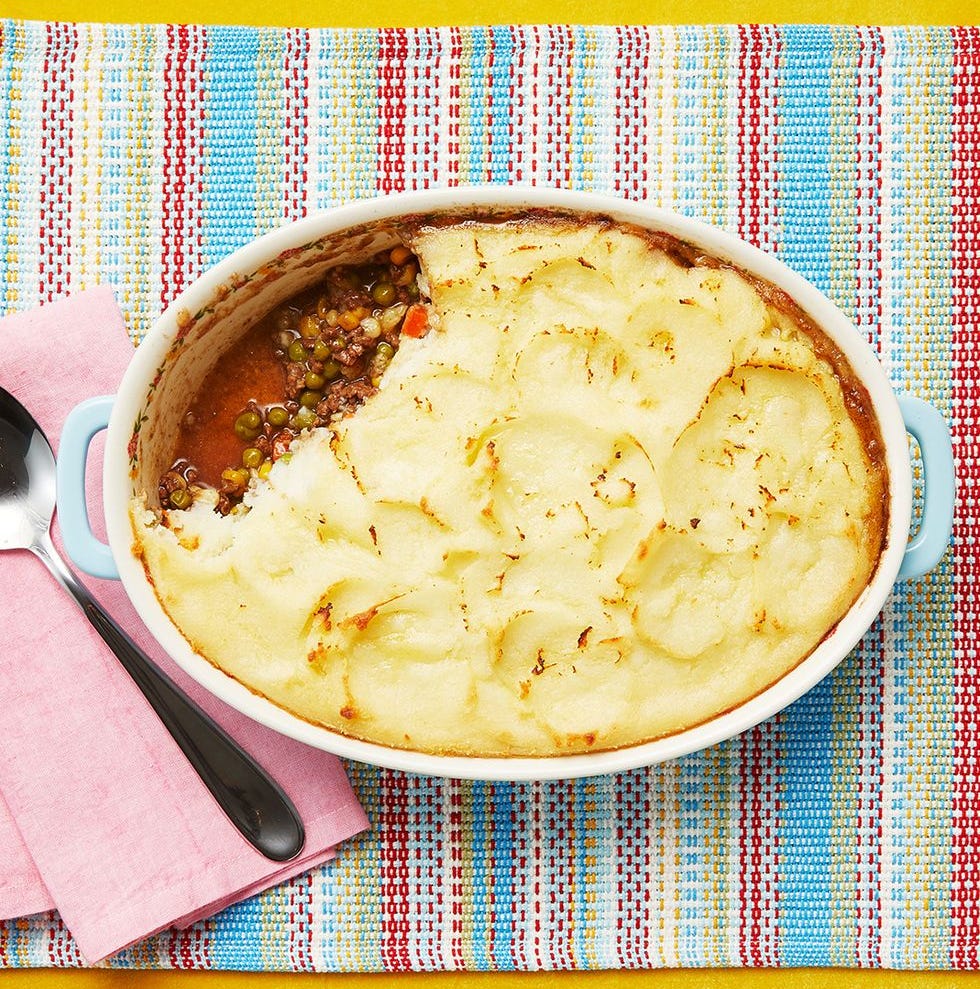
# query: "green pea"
248,425
181,498
304,418
309,399
296,351
385,351
237,478
321,350
277,416
314,380
330,370
384,293
252,456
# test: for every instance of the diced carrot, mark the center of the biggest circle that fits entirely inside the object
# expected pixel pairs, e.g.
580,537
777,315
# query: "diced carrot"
416,323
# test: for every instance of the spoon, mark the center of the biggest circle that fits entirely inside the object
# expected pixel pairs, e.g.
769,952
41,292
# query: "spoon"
253,802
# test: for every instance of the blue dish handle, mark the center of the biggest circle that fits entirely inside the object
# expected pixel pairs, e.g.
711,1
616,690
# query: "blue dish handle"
84,421
927,546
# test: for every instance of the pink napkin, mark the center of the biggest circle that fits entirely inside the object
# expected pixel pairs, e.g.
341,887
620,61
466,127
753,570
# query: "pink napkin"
101,816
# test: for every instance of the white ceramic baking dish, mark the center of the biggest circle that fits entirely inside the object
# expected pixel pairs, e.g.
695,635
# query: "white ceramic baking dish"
225,299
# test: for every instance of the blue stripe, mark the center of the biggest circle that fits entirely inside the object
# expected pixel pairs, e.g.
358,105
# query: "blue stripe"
477,800
805,144
805,244
480,889
237,938
475,114
694,818
498,846
501,107
581,86
230,141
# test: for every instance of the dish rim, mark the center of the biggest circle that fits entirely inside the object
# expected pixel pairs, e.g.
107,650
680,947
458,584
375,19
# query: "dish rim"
714,241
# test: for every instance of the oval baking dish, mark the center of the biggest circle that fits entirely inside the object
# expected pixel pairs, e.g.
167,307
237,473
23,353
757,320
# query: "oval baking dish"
177,353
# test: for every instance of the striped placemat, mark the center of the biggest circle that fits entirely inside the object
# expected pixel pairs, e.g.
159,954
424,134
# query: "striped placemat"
842,832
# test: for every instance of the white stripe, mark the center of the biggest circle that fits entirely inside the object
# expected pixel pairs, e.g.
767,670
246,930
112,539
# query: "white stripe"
451,928
444,121
664,833
25,161
88,154
889,908
314,123
733,71
662,111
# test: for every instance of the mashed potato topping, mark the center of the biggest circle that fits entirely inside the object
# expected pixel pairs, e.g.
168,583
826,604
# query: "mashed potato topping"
611,494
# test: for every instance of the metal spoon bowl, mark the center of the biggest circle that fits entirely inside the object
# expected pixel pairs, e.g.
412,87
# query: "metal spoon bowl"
253,802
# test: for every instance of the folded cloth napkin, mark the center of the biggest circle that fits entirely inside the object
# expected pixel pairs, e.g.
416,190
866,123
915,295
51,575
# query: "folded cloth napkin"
101,816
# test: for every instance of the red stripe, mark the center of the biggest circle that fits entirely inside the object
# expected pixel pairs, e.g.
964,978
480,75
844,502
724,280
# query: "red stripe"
535,150
55,191
392,56
183,139
451,113
491,112
759,52
868,278
633,869
558,108
188,948
300,923
413,910
631,113
422,139
759,748
519,871
296,137
62,950
759,845
180,198
965,906
529,950
538,950
395,886
559,858
518,70
455,866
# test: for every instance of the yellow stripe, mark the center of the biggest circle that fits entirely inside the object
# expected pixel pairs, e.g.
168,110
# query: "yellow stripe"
270,191
926,819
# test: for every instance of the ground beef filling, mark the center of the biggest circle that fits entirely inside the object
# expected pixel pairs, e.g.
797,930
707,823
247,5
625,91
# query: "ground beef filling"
314,359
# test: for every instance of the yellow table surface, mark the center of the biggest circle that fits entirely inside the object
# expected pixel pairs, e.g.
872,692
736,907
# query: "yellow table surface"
388,13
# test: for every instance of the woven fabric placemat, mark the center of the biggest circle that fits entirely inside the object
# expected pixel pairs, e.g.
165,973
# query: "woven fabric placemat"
843,831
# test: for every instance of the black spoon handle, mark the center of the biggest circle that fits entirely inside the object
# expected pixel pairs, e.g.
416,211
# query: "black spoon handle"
254,803
251,799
